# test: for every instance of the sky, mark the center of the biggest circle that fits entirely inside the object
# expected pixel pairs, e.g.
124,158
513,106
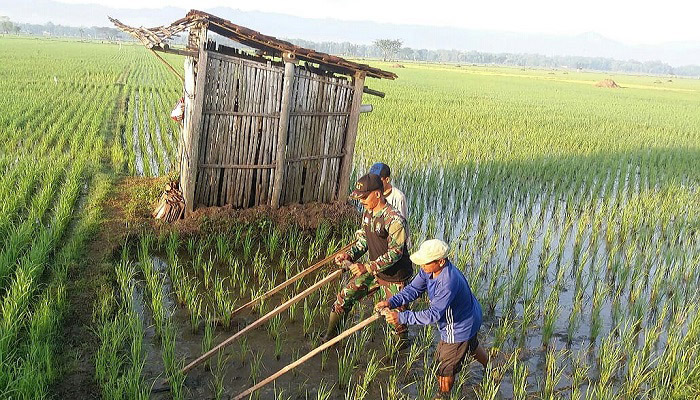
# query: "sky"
628,21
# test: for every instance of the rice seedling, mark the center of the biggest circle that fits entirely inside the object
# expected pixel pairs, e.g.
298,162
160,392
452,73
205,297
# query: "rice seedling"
552,375
370,373
346,366
519,375
255,366
426,384
324,391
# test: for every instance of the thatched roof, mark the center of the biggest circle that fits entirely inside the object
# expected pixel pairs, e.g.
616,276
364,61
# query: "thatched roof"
155,38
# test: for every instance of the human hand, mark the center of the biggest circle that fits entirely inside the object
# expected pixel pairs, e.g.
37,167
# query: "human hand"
340,258
391,317
381,305
357,269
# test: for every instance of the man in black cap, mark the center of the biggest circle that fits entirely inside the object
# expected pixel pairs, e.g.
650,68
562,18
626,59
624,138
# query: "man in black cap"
393,196
383,235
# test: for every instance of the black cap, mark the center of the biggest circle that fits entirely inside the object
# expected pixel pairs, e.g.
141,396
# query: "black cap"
380,169
366,185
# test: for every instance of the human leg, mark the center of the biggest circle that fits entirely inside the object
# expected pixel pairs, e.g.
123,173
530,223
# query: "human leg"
354,291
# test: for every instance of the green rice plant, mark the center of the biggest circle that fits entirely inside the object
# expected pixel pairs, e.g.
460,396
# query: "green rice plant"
219,375
324,392
224,304
426,384
309,316
504,329
222,247
347,362
599,294
208,338
519,375
391,345
579,373
551,312
195,311
491,383
244,349
207,268
414,353
248,244
255,366
370,374
552,375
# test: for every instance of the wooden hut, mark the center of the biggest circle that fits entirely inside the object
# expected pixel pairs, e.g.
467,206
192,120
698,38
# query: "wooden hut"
268,123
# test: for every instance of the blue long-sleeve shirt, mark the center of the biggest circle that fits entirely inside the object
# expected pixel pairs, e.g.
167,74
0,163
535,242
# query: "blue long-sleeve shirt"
452,305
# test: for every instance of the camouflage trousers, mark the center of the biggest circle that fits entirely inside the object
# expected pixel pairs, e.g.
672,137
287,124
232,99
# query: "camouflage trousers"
366,284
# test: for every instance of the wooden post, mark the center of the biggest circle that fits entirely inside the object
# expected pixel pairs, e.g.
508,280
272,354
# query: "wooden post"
191,141
351,135
283,128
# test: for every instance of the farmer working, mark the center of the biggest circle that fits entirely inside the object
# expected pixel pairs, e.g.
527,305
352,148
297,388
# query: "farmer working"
383,235
452,306
393,196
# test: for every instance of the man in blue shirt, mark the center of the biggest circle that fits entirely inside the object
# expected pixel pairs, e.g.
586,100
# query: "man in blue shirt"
452,306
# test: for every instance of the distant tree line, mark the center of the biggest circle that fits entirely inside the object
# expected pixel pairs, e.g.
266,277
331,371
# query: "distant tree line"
382,50
392,49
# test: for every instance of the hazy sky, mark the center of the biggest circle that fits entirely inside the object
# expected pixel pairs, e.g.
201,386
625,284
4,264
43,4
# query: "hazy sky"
628,21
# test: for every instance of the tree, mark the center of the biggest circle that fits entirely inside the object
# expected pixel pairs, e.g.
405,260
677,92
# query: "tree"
388,47
6,26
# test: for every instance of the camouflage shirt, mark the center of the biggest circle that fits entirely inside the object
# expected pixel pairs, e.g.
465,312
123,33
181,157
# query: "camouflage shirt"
385,219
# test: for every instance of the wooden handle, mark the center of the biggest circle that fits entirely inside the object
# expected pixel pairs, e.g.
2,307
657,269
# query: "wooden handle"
309,355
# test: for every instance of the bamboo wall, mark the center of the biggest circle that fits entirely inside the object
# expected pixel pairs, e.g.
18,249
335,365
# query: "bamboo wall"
242,101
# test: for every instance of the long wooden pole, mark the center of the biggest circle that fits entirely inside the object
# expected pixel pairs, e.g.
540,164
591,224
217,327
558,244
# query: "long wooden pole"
308,356
291,280
351,136
283,128
259,322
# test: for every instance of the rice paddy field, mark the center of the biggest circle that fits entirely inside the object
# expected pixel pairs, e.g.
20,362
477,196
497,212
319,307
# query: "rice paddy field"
573,210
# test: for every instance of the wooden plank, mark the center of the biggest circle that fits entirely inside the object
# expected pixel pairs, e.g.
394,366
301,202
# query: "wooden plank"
279,85
315,142
192,148
255,136
351,136
232,131
245,135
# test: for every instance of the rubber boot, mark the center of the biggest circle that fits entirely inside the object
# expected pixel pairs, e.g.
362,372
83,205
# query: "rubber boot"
332,330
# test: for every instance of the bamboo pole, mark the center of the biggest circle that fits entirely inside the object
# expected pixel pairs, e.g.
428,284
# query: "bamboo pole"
291,280
262,319
308,356
351,136
282,130
170,67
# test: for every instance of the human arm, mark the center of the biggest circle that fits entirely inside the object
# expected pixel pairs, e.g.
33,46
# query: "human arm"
441,299
409,293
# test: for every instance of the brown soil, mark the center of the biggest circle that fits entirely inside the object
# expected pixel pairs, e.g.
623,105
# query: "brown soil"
126,212
608,83
398,66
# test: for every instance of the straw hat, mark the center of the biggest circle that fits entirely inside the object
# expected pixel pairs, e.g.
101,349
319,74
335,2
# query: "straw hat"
430,250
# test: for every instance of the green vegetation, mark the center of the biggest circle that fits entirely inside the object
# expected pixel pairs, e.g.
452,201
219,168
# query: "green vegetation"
573,210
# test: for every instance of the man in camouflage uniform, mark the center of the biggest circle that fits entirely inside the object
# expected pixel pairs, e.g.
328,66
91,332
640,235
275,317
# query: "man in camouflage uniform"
383,235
